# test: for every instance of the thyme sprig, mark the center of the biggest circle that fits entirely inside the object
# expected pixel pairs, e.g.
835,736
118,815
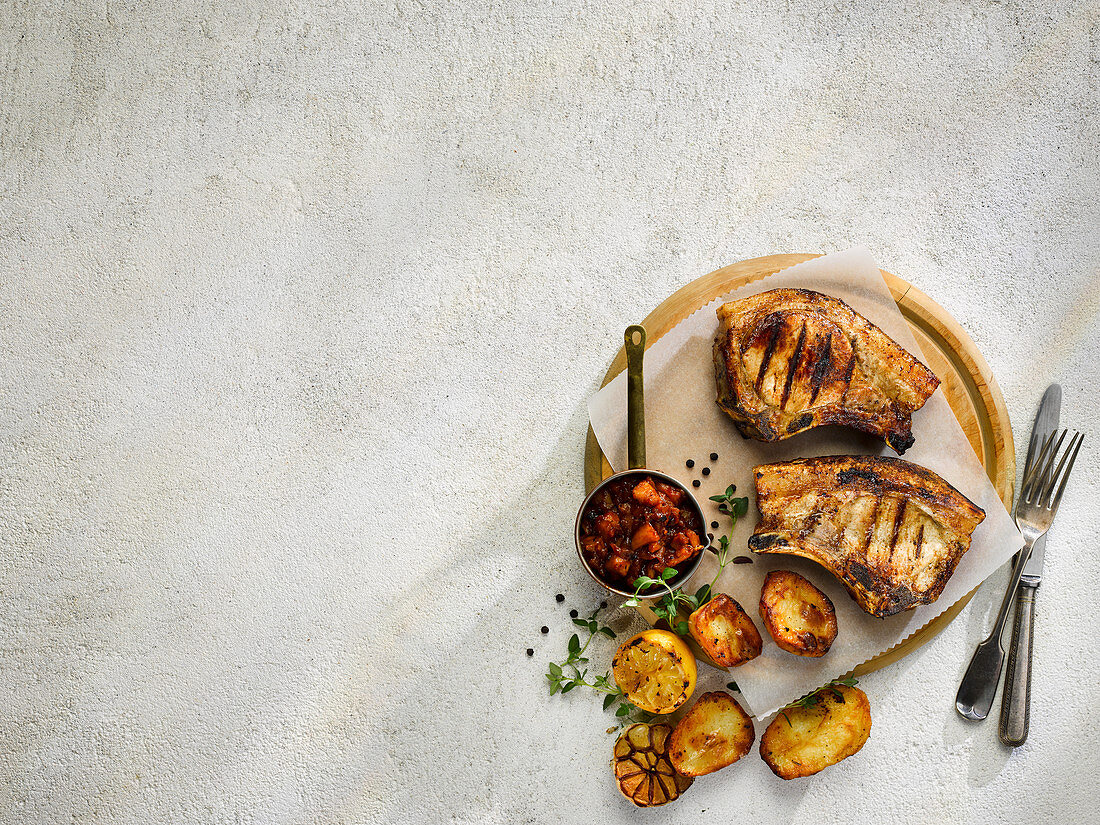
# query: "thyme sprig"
730,506
671,603
811,699
570,674
667,607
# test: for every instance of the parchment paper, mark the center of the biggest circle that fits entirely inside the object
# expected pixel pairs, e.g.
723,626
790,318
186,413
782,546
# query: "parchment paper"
683,421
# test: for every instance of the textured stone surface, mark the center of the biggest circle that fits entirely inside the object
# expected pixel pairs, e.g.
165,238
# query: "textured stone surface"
299,309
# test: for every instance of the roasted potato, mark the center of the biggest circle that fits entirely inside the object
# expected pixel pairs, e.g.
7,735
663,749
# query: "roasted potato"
798,616
808,737
716,732
725,632
642,767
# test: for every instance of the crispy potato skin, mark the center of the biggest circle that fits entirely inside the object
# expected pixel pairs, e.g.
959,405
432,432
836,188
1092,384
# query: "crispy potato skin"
799,617
802,741
725,632
716,732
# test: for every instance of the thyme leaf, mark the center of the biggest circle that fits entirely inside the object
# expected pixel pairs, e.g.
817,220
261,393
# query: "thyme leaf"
811,699
567,675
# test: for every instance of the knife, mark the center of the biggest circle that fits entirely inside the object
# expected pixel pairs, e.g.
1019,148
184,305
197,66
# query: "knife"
978,687
1016,699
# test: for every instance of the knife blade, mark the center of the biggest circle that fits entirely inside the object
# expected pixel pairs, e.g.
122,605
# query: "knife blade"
1046,422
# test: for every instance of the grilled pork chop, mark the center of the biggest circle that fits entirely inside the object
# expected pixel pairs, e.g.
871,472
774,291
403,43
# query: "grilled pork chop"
791,359
891,531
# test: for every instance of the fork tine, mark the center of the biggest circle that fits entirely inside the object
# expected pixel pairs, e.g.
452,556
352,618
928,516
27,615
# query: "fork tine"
1079,439
1029,485
1045,482
1031,465
1046,492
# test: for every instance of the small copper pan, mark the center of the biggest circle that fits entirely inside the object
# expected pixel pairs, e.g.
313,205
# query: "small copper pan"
635,428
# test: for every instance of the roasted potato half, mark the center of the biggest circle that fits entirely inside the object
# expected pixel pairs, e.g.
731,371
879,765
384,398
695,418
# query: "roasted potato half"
725,632
805,739
642,768
716,732
798,616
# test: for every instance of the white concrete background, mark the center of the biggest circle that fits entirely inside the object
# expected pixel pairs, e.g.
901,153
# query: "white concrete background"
299,309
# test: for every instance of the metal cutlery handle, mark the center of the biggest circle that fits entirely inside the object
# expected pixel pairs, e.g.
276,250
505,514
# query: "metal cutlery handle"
1016,702
979,684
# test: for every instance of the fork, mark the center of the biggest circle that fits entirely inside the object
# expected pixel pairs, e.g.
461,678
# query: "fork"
1035,509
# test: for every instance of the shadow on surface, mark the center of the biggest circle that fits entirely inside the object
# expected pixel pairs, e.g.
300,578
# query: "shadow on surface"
485,741
985,765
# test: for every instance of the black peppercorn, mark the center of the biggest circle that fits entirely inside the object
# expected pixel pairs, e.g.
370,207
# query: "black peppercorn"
603,605
714,524
695,483
690,463
706,471
560,598
572,614
545,629
714,456
530,651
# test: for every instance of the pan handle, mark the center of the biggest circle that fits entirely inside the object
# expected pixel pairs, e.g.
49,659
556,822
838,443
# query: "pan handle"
635,396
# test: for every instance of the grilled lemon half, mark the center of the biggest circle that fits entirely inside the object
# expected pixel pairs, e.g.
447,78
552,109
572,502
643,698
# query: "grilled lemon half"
656,671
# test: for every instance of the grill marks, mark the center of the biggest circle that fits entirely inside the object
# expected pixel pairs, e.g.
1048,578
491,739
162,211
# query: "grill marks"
898,519
870,532
801,372
792,365
884,543
822,356
769,350
848,370
884,533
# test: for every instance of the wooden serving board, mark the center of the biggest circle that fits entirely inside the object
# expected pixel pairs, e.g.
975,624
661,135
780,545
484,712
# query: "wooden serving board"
965,379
